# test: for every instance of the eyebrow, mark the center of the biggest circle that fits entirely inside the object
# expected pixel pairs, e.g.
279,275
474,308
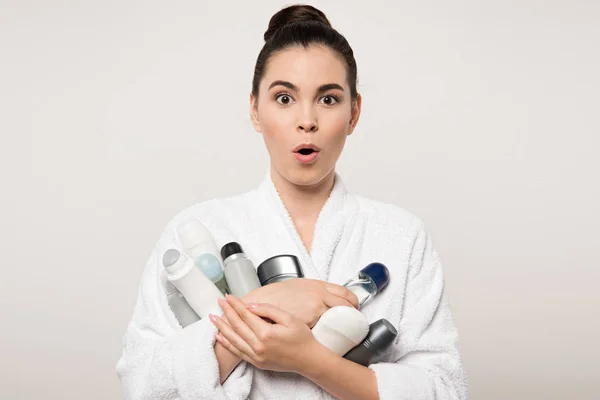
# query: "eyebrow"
321,89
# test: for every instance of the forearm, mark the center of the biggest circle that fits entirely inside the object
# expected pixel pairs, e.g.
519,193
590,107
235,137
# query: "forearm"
341,378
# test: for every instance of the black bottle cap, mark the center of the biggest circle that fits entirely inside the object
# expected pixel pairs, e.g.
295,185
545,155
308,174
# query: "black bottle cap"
381,334
279,268
230,249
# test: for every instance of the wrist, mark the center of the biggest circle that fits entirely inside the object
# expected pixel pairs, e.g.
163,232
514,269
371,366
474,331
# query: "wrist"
316,361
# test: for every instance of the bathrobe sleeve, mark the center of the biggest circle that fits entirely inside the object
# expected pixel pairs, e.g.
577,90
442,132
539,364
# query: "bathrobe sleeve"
161,360
426,361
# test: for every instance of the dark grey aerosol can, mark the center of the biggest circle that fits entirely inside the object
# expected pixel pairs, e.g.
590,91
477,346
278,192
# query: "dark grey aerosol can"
381,335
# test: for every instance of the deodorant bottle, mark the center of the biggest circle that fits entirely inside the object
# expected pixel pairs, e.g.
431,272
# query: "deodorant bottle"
340,329
199,245
239,271
182,310
199,291
279,268
368,282
381,335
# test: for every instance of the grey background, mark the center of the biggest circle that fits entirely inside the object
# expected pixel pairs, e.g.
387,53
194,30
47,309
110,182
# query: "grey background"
481,117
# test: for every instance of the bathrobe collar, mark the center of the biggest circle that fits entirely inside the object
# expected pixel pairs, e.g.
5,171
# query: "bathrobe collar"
329,229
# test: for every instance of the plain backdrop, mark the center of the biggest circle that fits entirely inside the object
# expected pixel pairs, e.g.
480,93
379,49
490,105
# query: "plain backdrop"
481,117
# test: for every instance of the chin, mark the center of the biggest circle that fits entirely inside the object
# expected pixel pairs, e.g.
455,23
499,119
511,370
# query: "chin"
306,176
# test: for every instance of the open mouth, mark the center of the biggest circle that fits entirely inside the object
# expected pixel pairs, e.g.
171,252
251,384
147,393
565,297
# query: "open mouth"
306,152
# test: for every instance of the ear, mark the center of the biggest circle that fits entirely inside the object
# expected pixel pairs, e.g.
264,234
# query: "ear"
254,113
355,114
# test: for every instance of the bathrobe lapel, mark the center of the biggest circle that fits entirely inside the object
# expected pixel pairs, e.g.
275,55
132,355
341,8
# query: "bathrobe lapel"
329,230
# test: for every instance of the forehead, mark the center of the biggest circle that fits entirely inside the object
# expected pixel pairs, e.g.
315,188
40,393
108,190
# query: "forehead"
308,67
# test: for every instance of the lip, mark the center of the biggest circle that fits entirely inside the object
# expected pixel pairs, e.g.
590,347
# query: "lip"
306,146
307,159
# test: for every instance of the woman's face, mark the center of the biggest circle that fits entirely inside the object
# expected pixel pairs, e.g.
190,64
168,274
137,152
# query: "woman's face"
304,101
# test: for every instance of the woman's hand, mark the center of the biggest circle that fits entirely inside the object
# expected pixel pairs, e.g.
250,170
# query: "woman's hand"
287,345
306,299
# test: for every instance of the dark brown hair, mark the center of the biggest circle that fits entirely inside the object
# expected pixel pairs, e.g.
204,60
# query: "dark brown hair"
303,25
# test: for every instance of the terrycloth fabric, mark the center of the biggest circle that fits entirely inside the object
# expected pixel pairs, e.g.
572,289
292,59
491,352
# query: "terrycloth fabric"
162,360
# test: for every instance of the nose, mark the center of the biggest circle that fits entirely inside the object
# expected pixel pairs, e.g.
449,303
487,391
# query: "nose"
308,122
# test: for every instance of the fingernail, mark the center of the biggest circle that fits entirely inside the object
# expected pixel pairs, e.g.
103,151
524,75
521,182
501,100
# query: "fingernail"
252,305
212,317
220,301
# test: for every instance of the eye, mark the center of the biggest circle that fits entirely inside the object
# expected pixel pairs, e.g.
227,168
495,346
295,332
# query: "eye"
284,99
330,100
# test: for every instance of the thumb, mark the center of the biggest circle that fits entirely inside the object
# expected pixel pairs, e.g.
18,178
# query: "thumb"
271,312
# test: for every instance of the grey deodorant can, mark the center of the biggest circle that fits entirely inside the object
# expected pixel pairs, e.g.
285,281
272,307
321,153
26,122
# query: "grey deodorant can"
239,271
381,335
279,268
182,310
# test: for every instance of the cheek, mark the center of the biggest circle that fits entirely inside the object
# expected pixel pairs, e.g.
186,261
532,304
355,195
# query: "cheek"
275,123
274,127
336,127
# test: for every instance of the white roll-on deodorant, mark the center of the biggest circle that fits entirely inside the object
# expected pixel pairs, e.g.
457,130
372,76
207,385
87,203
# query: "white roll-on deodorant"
182,310
341,328
199,291
199,245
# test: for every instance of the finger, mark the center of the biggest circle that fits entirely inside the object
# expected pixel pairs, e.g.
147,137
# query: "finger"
254,322
342,292
332,300
231,348
273,313
233,338
238,324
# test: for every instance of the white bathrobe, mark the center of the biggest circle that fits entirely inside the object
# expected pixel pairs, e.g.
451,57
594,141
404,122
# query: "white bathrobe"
161,360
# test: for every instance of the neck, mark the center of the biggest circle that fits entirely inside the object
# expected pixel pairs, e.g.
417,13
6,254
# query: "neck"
303,202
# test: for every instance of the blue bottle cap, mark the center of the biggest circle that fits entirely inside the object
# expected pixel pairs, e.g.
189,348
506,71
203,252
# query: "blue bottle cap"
210,266
379,273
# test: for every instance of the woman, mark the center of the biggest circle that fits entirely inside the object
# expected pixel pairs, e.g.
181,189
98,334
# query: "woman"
305,104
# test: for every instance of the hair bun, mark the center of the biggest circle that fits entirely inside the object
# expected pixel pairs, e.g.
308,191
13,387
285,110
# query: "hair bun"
295,14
